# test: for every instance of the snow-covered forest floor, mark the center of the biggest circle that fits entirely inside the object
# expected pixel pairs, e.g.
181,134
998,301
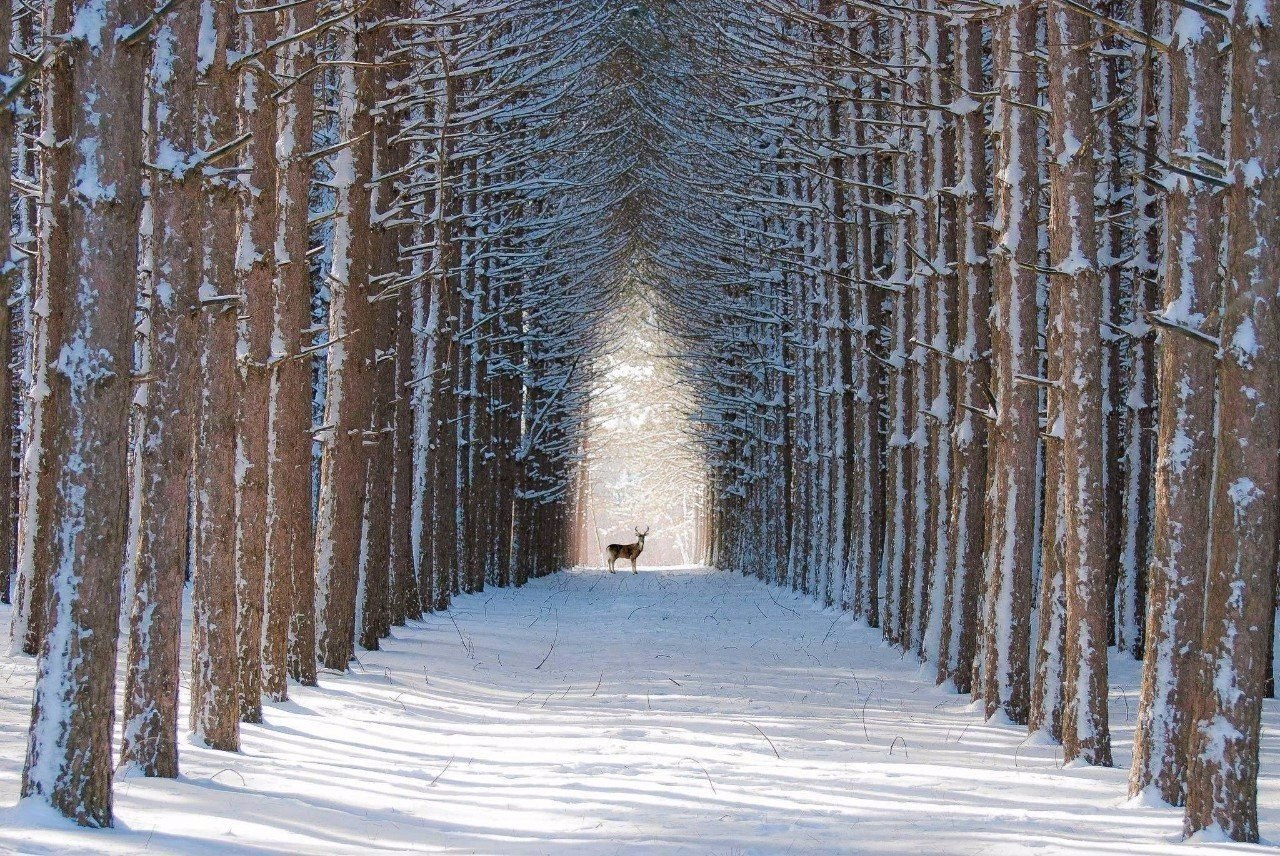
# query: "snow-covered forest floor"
678,711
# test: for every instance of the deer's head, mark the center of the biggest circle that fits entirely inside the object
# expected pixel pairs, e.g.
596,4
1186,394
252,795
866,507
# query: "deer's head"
641,535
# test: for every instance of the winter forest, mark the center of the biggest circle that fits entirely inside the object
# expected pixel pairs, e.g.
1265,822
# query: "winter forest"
934,345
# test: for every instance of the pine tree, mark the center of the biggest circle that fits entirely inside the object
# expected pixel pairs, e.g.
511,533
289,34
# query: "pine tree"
1184,465
150,728
1009,529
215,691
92,196
1073,254
1222,775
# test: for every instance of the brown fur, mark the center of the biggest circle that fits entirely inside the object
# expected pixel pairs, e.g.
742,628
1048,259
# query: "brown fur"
627,551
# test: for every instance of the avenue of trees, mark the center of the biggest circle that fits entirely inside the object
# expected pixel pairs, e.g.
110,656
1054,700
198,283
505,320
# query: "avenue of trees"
974,303
306,307
992,361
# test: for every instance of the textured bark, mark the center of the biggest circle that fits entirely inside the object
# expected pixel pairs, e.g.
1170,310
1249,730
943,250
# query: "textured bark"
959,630
871,243
150,729
1184,464
387,159
289,636
1139,205
937,411
215,695
340,521
1047,694
1073,253
88,291
443,566
26,220
9,278
897,470
1222,783
1010,501
255,276
405,593
405,596
913,607
34,491
1107,139
426,383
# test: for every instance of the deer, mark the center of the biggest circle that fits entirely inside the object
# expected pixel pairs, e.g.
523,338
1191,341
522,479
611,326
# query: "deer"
627,551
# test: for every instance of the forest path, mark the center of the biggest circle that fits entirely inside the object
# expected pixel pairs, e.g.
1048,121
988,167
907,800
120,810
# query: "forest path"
674,711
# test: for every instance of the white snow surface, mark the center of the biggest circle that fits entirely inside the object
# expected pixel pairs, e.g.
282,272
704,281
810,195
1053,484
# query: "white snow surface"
677,711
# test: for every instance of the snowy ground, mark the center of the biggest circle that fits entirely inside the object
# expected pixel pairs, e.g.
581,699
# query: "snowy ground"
678,711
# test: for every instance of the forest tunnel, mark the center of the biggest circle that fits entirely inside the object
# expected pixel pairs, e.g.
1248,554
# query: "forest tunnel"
331,311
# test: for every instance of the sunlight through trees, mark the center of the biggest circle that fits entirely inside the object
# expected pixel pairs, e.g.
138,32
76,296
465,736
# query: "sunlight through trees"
957,316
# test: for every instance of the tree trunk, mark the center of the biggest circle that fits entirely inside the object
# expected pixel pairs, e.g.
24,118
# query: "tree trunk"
149,742
384,286
1185,447
1073,253
9,278
1222,776
1010,502
88,291
255,275
289,636
340,529
215,696
973,344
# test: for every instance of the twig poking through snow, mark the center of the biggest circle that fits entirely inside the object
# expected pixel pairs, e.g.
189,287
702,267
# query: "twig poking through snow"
766,737
228,770
442,772
780,606
705,773
549,650
466,643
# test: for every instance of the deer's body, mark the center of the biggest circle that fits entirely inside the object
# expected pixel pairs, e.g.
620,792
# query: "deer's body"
627,551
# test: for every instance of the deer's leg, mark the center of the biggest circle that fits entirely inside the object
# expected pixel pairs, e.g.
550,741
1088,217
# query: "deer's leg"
633,566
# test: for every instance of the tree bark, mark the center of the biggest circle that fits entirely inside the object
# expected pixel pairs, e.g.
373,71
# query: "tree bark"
1222,775
340,530
289,635
256,273
1073,253
959,630
92,191
1185,446
1010,501
215,696
150,729
9,278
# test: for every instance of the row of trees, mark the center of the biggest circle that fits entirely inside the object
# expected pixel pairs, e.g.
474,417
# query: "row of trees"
976,304
980,307
309,307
